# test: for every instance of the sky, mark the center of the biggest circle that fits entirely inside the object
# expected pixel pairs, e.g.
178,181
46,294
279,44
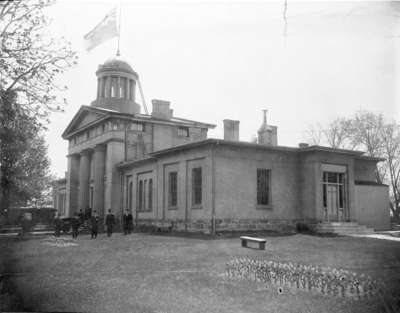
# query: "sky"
216,60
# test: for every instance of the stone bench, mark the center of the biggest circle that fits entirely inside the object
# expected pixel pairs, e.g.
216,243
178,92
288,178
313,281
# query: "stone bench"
261,241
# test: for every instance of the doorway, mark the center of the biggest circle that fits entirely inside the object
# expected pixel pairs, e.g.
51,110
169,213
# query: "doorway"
334,202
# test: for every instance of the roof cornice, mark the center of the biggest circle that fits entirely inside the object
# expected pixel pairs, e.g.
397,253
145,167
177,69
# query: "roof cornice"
127,116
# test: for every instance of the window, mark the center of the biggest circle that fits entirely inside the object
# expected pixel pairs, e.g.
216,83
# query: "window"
113,87
103,87
150,194
183,131
336,184
130,191
140,195
137,126
263,186
173,189
196,186
122,87
144,195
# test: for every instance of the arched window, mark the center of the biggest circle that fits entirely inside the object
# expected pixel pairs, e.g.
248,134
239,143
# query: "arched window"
150,194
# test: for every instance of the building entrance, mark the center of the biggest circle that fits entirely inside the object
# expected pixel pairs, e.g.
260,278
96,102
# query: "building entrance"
334,197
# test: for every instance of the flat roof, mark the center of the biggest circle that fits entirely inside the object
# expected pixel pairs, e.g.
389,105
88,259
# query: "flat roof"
243,144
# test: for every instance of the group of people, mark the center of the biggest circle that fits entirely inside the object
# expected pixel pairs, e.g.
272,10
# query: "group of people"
80,218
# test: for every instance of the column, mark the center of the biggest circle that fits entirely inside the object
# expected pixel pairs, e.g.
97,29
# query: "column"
72,184
112,188
127,86
98,87
131,90
99,170
84,171
118,91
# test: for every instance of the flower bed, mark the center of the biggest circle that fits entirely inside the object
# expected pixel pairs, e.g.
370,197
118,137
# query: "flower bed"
328,281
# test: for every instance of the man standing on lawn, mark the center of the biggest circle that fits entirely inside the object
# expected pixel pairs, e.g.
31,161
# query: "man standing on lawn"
110,221
130,222
125,222
94,224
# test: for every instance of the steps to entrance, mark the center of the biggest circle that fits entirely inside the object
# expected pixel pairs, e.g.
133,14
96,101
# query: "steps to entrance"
343,228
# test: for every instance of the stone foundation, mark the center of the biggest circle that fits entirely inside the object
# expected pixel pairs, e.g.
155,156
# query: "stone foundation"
221,225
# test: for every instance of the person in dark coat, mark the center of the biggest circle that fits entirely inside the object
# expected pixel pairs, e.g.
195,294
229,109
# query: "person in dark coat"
75,225
81,216
130,222
110,221
94,222
125,222
57,225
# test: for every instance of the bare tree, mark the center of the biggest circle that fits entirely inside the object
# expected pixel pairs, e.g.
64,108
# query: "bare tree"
391,146
367,135
367,132
338,134
314,135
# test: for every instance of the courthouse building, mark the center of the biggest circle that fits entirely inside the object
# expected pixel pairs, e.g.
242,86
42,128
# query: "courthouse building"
165,170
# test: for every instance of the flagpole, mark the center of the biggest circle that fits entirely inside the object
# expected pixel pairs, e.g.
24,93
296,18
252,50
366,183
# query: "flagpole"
119,27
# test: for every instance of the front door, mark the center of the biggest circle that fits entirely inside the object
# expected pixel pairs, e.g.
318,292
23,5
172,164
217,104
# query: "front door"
334,197
332,203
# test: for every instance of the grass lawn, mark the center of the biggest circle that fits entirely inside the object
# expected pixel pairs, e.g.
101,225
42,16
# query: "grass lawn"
149,273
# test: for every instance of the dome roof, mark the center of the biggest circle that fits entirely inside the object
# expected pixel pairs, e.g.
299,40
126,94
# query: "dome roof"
116,64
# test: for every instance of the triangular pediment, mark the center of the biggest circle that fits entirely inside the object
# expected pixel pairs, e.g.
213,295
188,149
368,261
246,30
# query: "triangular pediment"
84,117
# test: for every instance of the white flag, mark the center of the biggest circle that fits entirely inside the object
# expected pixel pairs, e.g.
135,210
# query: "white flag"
104,31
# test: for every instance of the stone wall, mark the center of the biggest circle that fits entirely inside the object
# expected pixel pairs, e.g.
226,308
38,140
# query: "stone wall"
221,225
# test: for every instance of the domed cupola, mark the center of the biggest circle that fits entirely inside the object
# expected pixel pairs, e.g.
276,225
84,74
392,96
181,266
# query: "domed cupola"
116,84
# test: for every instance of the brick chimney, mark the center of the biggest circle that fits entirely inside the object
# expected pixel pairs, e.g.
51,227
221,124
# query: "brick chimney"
231,130
161,109
267,134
